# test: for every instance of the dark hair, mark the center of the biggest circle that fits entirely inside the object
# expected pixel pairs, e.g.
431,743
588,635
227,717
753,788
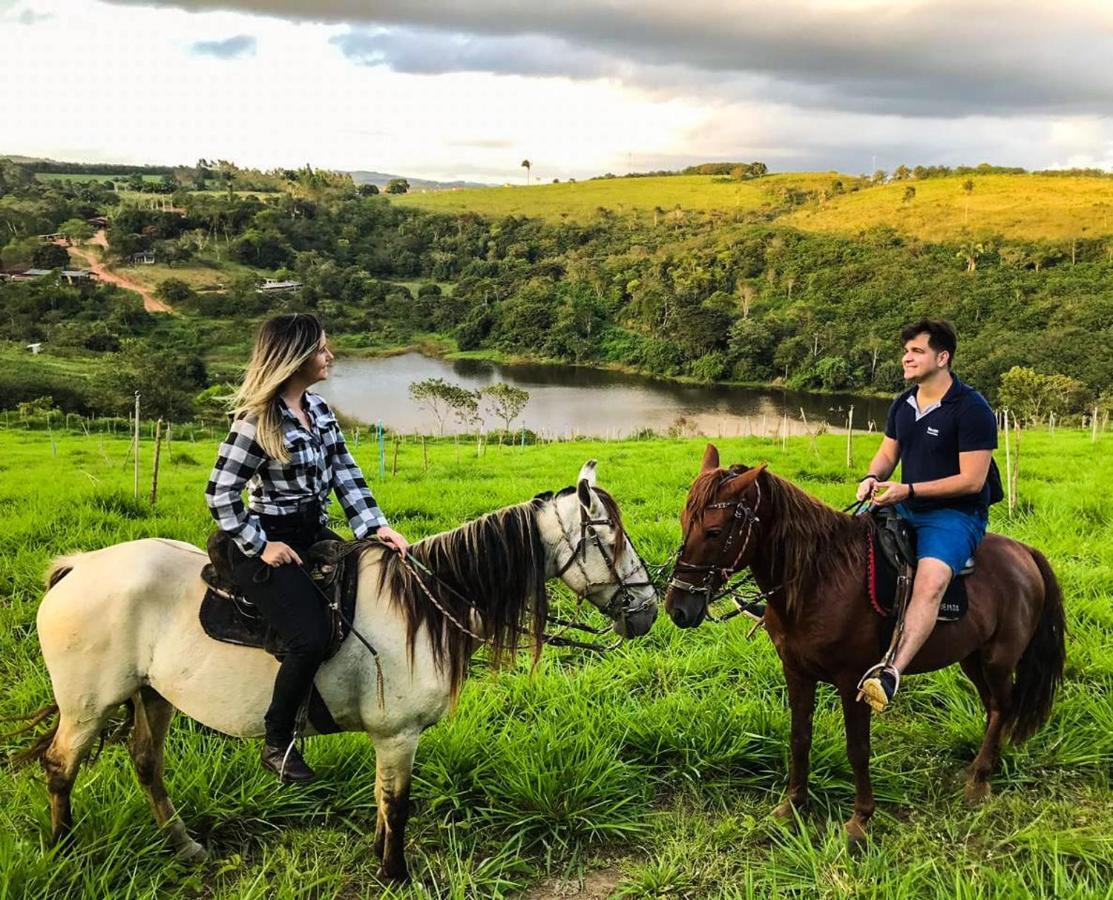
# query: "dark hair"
941,336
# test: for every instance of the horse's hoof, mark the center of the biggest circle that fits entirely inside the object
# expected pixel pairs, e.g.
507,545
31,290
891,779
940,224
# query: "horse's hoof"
856,838
191,853
977,792
402,877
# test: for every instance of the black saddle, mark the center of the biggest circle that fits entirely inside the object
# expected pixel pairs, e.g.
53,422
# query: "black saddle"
893,556
227,615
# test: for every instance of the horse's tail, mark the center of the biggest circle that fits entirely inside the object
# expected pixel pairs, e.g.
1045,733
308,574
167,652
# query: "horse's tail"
1040,669
42,742
60,567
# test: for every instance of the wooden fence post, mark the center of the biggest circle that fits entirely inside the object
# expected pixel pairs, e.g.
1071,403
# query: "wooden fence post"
394,463
135,444
1008,465
850,438
154,470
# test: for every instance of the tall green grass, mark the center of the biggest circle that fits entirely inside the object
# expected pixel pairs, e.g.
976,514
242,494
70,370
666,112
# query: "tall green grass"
657,764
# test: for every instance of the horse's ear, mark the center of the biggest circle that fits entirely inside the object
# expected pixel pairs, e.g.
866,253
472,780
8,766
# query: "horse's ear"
710,459
585,483
745,480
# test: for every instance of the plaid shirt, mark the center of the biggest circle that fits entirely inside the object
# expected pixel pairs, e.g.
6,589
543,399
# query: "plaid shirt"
319,462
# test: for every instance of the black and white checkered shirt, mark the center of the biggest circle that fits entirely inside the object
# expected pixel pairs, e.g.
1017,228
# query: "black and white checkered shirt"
319,462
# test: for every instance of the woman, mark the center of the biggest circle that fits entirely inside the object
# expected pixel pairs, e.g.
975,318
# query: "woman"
286,447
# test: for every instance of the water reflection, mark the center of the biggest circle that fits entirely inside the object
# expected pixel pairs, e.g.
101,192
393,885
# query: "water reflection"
566,400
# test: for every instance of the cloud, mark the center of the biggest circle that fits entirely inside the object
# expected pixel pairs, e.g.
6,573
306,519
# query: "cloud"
947,57
236,47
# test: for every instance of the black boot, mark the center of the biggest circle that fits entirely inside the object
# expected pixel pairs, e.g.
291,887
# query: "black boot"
287,763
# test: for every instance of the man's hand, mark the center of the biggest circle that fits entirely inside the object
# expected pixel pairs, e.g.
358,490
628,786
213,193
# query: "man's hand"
889,493
392,538
277,553
865,487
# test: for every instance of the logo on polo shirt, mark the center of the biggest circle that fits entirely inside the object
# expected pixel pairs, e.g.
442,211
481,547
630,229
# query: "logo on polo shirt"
934,432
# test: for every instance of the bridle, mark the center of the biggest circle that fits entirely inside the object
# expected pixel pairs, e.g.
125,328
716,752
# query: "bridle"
622,602
740,530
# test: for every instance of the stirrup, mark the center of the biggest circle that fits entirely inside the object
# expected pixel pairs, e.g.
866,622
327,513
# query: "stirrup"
870,672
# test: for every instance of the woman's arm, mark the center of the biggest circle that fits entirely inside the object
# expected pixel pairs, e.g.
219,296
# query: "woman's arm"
351,488
238,459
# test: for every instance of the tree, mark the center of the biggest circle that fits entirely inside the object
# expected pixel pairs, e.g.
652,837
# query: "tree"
507,401
76,230
1031,394
526,165
465,407
967,189
50,256
368,190
435,396
902,173
909,194
174,290
397,186
970,253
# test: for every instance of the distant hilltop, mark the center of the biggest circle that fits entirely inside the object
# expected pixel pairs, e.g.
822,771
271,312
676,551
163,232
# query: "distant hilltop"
380,179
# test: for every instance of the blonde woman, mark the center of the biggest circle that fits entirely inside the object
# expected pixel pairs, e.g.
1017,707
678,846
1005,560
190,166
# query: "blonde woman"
285,446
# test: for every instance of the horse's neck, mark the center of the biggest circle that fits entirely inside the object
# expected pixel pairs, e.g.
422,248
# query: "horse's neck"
780,544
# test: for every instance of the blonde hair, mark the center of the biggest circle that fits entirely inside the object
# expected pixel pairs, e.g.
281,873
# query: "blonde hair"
282,347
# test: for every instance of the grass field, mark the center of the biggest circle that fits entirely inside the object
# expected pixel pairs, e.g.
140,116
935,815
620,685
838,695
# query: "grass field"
89,176
1015,206
579,201
650,772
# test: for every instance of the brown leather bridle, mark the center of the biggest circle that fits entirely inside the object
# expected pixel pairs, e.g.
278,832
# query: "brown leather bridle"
727,561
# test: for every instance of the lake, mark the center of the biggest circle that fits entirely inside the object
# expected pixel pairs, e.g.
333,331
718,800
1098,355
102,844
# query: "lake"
567,400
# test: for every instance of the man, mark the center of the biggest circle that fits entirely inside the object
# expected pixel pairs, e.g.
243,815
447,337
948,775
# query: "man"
943,434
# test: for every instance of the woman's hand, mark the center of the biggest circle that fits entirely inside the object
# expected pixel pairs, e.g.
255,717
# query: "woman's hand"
277,553
392,538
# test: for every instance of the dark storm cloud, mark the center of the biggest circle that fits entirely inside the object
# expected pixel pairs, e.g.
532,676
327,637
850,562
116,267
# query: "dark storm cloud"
941,58
229,48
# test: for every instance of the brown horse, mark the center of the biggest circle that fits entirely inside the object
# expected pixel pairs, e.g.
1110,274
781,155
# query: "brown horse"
810,562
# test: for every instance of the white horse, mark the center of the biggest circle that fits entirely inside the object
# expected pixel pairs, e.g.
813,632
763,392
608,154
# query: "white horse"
120,625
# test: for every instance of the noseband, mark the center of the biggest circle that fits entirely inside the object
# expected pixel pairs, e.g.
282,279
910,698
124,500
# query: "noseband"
623,602
725,566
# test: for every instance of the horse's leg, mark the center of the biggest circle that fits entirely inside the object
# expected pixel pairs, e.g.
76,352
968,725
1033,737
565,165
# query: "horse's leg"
394,759
61,761
152,720
994,684
856,718
801,701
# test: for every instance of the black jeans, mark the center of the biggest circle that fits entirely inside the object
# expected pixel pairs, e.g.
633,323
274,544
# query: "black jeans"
287,599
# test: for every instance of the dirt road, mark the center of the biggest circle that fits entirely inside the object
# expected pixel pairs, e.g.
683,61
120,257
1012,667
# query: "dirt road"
90,261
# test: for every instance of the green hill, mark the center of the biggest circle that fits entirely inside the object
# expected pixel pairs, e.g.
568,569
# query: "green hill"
1026,207
579,201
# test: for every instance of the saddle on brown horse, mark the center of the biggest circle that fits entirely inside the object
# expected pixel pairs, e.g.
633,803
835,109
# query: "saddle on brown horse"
891,569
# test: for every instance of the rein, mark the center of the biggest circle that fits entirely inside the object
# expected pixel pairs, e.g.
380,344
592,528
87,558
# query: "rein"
623,602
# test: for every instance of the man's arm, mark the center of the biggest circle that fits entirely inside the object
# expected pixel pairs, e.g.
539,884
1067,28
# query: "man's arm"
973,468
881,466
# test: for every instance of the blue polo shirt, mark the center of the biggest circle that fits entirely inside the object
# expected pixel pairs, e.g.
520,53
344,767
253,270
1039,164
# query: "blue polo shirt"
931,440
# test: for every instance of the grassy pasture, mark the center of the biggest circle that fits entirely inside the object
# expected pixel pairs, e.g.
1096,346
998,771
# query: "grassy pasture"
579,201
1015,206
653,769
89,176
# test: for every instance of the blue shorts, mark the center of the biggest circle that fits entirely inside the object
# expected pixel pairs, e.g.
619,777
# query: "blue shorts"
946,534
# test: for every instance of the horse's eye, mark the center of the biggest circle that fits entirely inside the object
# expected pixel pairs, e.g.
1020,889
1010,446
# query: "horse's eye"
714,532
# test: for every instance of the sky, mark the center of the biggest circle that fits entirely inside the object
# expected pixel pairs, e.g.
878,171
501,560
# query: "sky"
467,89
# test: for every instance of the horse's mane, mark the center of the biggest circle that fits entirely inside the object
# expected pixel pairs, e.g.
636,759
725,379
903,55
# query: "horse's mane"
807,540
497,563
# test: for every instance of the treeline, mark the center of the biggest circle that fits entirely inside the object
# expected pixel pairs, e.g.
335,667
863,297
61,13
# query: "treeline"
713,296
